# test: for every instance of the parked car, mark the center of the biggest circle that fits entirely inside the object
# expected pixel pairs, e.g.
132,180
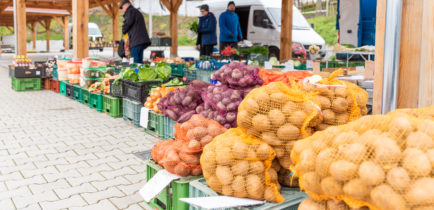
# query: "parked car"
96,38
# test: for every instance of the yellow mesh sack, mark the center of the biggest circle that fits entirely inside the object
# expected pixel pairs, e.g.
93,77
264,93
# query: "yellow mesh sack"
341,101
422,113
236,164
379,161
278,115
312,204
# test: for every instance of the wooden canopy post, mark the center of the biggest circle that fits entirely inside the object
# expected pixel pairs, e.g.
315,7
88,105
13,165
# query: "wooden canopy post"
115,23
20,33
34,35
173,6
47,32
65,33
379,54
286,31
80,19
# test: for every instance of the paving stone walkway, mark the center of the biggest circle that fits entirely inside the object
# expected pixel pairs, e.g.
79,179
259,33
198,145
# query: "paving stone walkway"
56,153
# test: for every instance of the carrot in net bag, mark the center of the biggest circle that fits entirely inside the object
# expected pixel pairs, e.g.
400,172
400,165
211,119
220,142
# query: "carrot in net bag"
380,161
278,115
237,164
341,101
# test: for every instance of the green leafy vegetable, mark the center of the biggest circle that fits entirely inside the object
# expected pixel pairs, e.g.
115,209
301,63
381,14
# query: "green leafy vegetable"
127,73
163,70
174,82
146,73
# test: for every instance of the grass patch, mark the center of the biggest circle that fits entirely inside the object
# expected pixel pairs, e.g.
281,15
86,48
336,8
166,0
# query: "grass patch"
326,28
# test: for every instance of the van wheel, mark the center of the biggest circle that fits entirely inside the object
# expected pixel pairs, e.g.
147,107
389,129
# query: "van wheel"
274,52
101,49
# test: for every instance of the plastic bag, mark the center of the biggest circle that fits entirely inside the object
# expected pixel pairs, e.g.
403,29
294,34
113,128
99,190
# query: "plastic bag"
279,115
383,162
237,164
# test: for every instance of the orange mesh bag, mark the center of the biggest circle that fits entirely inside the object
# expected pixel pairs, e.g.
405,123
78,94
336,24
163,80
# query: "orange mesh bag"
380,161
341,101
160,148
237,164
278,115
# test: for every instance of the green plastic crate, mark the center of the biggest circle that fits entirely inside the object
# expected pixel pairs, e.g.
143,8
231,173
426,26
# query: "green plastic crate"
168,199
293,197
85,97
26,84
169,128
177,69
155,124
112,106
77,92
62,87
131,111
95,101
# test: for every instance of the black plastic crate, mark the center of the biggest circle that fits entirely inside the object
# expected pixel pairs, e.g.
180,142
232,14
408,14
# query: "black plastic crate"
70,90
138,91
116,89
25,72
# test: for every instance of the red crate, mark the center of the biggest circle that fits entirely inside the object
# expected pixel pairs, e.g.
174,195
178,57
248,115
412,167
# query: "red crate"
55,85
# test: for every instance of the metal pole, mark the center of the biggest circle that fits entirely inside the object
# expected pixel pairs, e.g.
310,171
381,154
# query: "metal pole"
392,40
15,27
327,8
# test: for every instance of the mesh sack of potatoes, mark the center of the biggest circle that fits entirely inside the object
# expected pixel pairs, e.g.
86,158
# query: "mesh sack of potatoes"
379,161
278,115
341,101
285,176
422,113
311,204
237,164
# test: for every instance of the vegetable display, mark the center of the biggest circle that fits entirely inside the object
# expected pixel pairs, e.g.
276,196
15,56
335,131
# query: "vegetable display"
238,76
383,162
154,97
237,164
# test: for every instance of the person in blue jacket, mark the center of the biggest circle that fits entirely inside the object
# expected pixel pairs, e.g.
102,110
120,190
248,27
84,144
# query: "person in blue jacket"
230,29
207,36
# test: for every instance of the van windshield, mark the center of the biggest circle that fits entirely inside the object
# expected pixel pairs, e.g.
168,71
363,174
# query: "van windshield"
94,32
298,20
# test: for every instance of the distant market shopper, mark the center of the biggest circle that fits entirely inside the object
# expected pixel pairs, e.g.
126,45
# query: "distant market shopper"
207,36
230,29
134,26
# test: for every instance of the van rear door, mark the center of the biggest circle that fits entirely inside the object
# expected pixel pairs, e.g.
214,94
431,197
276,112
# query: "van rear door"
261,27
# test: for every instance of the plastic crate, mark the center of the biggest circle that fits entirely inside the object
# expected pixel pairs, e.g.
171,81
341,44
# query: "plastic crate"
116,89
293,197
131,111
112,106
46,83
85,97
189,75
62,87
54,74
26,72
138,91
169,128
155,124
177,69
205,75
95,101
77,92
26,84
70,91
168,199
55,85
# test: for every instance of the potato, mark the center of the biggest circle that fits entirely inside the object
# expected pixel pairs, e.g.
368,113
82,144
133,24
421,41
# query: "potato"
331,187
311,204
227,190
350,101
297,118
345,138
285,161
342,118
261,122
315,121
339,105
263,151
196,171
270,138
189,159
354,152
240,167
273,174
289,108
356,189
419,140
401,126
214,183
323,161
325,102
280,151
384,197
416,162
341,92
255,187
318,146
398,178
363,110
421,192
430,155
333,205
361,99
256,167
224,156
276,117
239,150
263,100
278,99
312,182
251,154
301,145
370,173
208,160
205,140
194,145
181,170
244,119
214,130
197,133
224,175
251,106
369,137
329,116
307,161
426,126
343,170
321,127
239,186
387,152
288,132
270,194
271,88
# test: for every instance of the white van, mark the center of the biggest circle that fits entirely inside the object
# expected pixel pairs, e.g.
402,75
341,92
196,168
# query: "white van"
94,33
260,22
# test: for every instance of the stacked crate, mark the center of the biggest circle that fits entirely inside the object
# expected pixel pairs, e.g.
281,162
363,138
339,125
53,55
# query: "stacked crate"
23,78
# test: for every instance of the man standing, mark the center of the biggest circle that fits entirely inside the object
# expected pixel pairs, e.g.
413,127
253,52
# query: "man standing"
207,36
134,26
230,29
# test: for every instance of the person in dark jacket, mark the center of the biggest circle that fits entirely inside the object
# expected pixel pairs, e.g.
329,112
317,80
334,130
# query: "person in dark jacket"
230,29
134,26
207,36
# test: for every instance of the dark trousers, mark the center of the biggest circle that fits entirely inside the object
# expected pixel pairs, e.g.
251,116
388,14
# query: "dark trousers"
206,50
223,45
137,53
